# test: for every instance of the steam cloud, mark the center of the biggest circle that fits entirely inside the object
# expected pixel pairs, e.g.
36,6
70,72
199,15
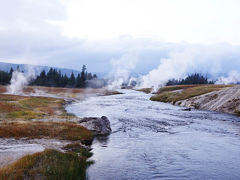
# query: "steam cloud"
121,70
233,78
19,80
191,59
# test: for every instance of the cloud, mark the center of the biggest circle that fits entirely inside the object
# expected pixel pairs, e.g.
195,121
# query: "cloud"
171,21
31,32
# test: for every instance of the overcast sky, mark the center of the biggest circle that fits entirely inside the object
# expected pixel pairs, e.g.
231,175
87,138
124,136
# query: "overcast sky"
69,33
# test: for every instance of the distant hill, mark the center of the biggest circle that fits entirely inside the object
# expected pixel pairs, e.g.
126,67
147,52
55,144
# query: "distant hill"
25,67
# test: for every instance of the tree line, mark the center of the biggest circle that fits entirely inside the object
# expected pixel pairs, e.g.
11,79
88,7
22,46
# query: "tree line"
54,78
5,77
195,78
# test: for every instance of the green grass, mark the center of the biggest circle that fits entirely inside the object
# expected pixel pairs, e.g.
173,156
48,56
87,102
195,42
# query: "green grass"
14,107
24,115
49,164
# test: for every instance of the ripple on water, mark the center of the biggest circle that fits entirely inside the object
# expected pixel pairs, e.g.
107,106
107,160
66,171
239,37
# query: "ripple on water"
153,140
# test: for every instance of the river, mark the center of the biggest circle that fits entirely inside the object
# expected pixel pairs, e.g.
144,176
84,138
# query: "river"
153,140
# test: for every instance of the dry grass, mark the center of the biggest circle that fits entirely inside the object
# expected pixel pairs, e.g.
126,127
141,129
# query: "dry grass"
14,107
3,89
63,92
49,164
16,117
174,88
109,93
176,93
77,148
145,90
53,130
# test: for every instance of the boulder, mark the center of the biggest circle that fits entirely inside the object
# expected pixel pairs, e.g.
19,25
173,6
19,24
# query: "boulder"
187,109
99,126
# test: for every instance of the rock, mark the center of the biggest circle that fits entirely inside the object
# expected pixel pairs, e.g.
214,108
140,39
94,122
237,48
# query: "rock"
226,100
187,109
99,126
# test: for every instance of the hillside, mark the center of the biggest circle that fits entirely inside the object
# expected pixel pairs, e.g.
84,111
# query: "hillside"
226,100
7,66
207,97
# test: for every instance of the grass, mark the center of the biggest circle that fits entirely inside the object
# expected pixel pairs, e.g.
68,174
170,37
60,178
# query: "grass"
172,93
20,117
237,112
174,88
24,115
145,90
54,130
77,148
49,164
110,92
14,107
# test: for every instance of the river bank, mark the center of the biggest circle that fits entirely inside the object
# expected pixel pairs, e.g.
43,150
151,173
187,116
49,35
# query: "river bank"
39,139
218,98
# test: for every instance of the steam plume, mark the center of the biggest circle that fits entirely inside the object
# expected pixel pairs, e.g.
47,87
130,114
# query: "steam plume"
121,69
233,78
19,80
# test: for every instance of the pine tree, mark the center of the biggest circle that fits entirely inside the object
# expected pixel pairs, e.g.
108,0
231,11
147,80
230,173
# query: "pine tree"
83,76
72,80
11,71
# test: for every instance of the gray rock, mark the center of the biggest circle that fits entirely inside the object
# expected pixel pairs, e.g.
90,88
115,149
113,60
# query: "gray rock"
99,126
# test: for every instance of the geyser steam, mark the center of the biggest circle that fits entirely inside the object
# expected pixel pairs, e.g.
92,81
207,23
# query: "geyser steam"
233,78
121,68
19,80
193,59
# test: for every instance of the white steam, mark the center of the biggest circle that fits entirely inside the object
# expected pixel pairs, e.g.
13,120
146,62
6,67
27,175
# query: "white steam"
121,69
186,60
19,80
233,78
175,66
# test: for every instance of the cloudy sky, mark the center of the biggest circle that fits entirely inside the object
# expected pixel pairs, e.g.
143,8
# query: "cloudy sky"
134,35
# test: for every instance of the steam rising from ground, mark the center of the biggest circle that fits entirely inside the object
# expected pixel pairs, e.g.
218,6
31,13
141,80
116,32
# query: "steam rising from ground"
19,80
191,59
121,69
233,78
175,66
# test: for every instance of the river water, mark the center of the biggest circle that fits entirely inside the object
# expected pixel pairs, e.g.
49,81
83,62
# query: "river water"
153,140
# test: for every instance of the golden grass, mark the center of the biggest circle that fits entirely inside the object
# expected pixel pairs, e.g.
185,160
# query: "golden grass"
54,130
171,93
110,92
49,164
145,90
174,88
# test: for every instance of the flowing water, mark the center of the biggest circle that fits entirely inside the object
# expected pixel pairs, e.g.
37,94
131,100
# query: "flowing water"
153,140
